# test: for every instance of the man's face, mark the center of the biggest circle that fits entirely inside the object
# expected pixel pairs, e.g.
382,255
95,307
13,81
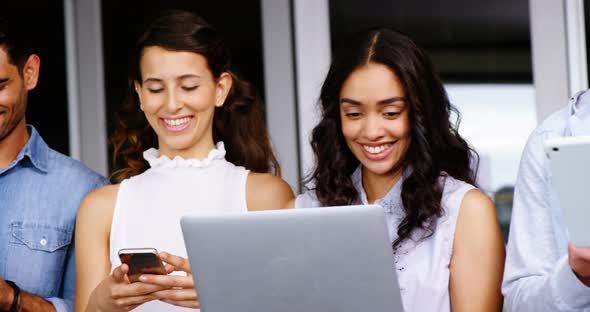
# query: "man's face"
13,96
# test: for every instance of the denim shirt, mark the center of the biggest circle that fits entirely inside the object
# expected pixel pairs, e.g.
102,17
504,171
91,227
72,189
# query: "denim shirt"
537,274
40,192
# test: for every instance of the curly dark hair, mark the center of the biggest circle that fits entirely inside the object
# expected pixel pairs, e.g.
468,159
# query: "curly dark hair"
239,122
435,148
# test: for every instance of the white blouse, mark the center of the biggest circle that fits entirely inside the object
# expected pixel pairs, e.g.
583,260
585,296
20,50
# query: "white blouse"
149,206
422,265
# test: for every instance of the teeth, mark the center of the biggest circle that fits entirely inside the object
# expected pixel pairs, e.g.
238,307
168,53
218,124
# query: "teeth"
176,122
376,149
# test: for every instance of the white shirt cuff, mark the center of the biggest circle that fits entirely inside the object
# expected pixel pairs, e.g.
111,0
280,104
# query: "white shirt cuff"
570,292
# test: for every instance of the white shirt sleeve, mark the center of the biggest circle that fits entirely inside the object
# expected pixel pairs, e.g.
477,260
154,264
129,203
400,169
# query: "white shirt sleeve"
537,273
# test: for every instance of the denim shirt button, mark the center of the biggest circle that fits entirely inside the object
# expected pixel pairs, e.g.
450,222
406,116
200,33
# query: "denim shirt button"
43,242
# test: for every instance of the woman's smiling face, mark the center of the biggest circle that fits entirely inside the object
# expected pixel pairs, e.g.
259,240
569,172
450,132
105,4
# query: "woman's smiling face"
178,94
375,118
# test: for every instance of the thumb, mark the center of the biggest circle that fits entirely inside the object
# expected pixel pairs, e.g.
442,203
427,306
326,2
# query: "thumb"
120,272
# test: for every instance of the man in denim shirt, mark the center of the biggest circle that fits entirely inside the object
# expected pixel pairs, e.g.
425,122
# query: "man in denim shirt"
543,272
40,191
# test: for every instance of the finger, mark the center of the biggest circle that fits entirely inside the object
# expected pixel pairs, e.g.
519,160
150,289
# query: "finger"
179,262
187,304
144,288
582,253
177,294
135,290
168,280
132,302
169,268
120,272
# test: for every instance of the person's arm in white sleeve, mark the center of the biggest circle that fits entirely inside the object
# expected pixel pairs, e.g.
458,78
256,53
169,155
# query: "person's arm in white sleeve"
537,275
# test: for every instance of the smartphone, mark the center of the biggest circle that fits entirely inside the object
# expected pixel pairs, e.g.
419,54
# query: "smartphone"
141,261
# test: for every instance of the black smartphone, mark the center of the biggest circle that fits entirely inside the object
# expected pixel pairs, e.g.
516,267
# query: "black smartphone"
141,261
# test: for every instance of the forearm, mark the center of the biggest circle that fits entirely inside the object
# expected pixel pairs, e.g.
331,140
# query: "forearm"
529,294
90,306
557,290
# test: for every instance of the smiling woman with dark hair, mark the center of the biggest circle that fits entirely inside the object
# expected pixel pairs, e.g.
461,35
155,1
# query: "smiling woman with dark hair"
213,155
385,138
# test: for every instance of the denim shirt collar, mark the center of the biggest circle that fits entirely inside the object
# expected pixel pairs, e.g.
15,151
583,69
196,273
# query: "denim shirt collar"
36,150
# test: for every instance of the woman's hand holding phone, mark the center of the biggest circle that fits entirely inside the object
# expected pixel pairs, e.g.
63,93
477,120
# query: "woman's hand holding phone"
174,289
116,293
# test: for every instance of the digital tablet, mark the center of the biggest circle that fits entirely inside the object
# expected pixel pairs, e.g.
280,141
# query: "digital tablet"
570,176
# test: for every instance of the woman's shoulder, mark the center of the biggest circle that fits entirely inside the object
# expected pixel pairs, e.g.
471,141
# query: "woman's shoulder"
465,207
99,204
265,191
454,194
266,181
453,187
477,202
462,198
102,195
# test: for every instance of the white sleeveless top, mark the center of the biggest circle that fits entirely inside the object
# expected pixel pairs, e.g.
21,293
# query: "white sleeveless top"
149,206
422,265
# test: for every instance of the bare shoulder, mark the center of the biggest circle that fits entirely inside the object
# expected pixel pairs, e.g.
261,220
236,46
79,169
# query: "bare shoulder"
477,223
98,205
477,244
476,203
265,191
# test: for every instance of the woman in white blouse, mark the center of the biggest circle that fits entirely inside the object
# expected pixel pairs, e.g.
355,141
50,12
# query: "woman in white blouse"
213,156
385,138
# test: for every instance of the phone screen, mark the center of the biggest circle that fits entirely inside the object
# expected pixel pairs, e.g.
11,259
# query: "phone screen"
141,262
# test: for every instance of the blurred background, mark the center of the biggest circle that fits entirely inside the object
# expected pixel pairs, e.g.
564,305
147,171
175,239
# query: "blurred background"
506,64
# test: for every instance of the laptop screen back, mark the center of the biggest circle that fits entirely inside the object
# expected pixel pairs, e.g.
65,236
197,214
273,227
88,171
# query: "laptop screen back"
321,259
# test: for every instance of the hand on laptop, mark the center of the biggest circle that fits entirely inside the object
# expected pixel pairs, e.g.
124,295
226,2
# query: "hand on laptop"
579,259
116,293
179,290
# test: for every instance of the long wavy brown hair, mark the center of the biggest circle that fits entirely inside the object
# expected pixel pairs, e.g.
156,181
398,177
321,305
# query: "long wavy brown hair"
436,148
239,123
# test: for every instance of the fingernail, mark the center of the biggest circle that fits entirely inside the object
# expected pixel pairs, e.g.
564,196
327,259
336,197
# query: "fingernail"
143,278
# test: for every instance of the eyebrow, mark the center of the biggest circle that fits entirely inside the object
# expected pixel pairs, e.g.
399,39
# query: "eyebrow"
382,102
189,76
152,80
182,77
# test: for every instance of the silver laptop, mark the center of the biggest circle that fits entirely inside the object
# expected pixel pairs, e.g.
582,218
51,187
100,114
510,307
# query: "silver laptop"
299,260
